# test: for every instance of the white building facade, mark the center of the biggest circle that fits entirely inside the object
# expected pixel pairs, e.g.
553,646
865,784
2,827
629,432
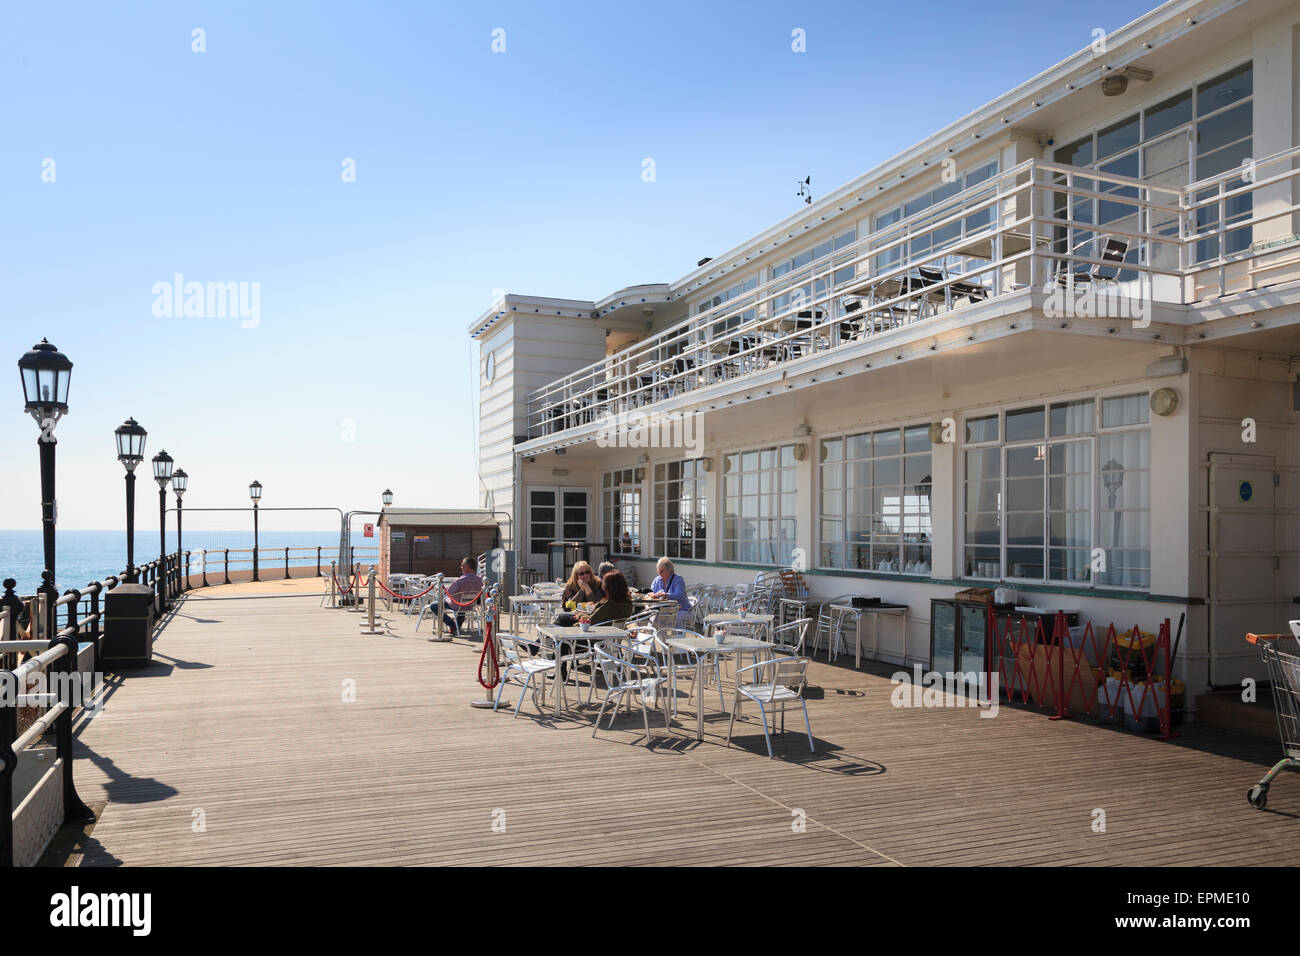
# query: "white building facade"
1052,348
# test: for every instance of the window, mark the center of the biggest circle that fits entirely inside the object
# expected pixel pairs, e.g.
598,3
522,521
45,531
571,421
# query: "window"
1059,493
680,509
621,499
875,501
924,240
813,290
720,329
1196,133
760,492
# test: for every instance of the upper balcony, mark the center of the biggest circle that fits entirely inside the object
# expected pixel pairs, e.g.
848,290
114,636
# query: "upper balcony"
1037,226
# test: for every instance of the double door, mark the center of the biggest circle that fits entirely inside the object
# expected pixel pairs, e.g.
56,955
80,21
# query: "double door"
555,513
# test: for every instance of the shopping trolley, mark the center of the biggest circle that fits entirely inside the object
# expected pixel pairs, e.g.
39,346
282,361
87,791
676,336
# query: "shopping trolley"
1282,658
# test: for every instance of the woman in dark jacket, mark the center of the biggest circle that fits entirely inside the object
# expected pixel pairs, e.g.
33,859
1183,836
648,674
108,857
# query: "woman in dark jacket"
617,605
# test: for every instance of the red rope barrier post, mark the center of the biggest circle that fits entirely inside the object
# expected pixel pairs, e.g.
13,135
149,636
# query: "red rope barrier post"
439,636
489,670
369,623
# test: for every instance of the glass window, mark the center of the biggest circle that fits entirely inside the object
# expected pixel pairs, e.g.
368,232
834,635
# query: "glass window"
760,491
1073,507
1163,117
875,501
1224,90
1118,137
1025,423
982,429
621,507
1124,410
680,516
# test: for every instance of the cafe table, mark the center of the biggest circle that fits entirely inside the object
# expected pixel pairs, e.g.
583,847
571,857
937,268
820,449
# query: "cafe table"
539,600
844,610
765,621
703,648
559,636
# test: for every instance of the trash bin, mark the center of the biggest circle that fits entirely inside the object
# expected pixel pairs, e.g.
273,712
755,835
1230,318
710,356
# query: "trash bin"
128,627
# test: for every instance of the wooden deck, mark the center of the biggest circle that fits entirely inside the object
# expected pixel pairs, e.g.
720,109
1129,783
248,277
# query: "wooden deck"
243,718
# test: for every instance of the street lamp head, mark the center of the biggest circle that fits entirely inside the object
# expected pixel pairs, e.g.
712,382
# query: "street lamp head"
46,373
162,468
255,491
130,443
388,497
180,481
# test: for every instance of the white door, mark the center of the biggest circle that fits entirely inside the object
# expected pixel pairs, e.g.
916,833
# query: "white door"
1252,563
555,513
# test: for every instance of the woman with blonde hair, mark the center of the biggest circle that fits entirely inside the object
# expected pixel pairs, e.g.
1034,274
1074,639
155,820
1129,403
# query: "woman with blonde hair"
583,587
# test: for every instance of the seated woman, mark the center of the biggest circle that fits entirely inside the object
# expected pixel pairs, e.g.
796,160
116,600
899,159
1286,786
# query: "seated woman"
670,584
617,605
581,588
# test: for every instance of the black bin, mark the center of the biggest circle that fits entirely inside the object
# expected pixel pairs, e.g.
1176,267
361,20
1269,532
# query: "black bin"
128,627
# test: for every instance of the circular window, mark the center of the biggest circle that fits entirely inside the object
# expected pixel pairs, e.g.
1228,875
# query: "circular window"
490,366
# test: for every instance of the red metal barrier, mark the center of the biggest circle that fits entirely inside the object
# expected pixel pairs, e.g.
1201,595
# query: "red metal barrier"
1052,672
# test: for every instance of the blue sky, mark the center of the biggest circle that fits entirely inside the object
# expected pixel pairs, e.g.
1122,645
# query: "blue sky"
475,170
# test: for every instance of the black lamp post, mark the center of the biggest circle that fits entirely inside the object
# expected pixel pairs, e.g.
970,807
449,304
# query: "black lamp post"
162,473
255,492
388,497
130,452
180,481
46,373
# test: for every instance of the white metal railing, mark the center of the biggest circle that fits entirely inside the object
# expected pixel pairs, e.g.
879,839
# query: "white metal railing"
1036,225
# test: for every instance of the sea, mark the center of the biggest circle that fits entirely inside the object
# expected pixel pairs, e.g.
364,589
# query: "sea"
85,556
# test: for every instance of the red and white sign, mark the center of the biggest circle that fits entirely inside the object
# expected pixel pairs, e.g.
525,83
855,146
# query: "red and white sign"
367,530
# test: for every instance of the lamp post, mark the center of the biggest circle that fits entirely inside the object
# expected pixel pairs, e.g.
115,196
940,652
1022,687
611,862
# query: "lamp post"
255,492
180,481
387,497
130,452
162,473
46,373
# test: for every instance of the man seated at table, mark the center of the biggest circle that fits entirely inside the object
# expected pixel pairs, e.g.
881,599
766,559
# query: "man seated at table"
462,590
670,584
617,605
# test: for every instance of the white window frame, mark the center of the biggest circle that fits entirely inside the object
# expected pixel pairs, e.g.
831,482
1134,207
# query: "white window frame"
1095,483
723,540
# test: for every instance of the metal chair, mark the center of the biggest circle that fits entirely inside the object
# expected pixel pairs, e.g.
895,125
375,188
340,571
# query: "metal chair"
523,660
790,638
627,672
774,685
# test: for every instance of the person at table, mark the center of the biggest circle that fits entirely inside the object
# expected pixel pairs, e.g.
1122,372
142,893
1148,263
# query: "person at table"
581,588
463,590
617,605
670,584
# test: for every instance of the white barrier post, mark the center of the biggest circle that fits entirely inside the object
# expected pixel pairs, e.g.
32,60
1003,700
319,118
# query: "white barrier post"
440,634
370,607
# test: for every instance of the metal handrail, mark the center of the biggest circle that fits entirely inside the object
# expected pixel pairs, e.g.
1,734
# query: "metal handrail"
682,354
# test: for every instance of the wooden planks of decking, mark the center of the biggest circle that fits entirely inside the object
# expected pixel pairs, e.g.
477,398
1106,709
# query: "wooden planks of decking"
242,726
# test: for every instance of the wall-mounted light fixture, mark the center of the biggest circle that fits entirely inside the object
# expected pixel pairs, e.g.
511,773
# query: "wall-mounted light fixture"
800,451
1164,401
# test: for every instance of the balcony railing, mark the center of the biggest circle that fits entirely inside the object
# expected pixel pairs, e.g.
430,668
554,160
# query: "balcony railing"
1037,225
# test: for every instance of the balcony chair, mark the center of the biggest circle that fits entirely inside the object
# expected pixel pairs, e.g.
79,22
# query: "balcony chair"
526,661
1113,251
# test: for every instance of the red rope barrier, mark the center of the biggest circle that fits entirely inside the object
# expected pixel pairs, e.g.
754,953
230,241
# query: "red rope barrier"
472,600
405,596
342,589
488,661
